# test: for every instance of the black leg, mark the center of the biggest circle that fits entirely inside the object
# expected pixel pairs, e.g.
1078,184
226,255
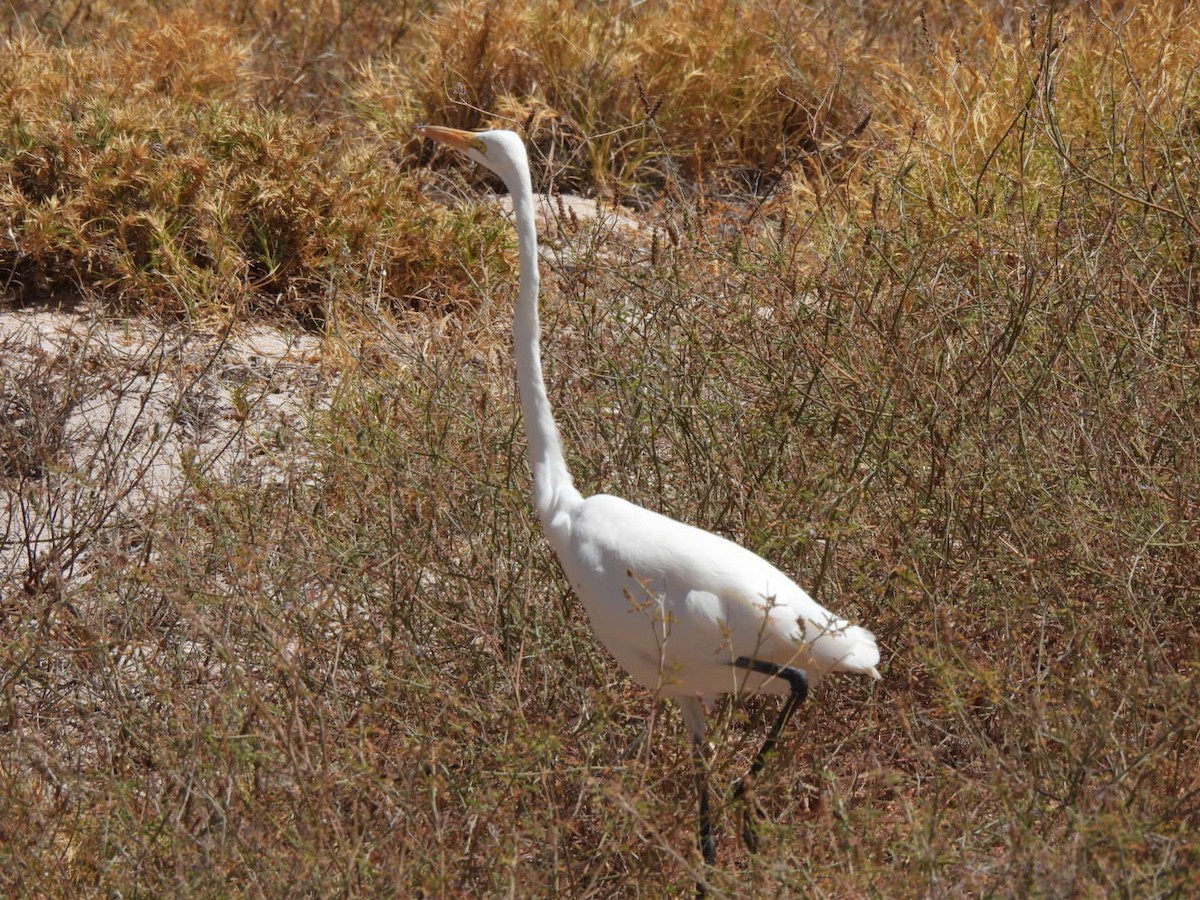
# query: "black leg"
708,842
743,788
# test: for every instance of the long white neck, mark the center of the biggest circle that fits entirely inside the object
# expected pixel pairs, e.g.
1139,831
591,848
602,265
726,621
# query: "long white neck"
553,491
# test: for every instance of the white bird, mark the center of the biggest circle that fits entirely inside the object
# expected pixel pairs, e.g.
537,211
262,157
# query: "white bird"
690,615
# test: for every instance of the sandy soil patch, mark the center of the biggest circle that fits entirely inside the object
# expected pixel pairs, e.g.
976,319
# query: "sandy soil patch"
101,420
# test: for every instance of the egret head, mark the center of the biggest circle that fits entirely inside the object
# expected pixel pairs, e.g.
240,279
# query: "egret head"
501,151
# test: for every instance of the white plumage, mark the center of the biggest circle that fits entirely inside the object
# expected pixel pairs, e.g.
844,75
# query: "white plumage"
687,613
677,605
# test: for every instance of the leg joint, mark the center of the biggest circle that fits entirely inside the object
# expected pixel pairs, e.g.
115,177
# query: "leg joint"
796,678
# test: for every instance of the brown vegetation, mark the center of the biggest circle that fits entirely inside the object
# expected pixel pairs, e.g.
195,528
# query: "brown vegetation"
915,317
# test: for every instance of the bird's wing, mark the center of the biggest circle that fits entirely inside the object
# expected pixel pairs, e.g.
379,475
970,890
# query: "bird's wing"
674,602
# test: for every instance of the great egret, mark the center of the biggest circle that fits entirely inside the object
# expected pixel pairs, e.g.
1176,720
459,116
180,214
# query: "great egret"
688,614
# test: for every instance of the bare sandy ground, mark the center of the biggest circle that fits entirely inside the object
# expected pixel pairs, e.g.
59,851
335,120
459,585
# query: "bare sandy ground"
100,420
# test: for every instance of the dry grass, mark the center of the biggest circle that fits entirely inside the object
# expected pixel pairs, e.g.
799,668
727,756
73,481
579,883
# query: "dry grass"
627,99
144,167
942,365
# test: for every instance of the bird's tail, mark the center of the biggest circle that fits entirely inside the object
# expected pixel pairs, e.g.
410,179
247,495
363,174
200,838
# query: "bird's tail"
841,647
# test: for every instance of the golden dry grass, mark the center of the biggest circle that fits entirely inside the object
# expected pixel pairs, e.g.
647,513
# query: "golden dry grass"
941,364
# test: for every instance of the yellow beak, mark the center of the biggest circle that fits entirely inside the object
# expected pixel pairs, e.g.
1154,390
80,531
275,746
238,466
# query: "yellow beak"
452,137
